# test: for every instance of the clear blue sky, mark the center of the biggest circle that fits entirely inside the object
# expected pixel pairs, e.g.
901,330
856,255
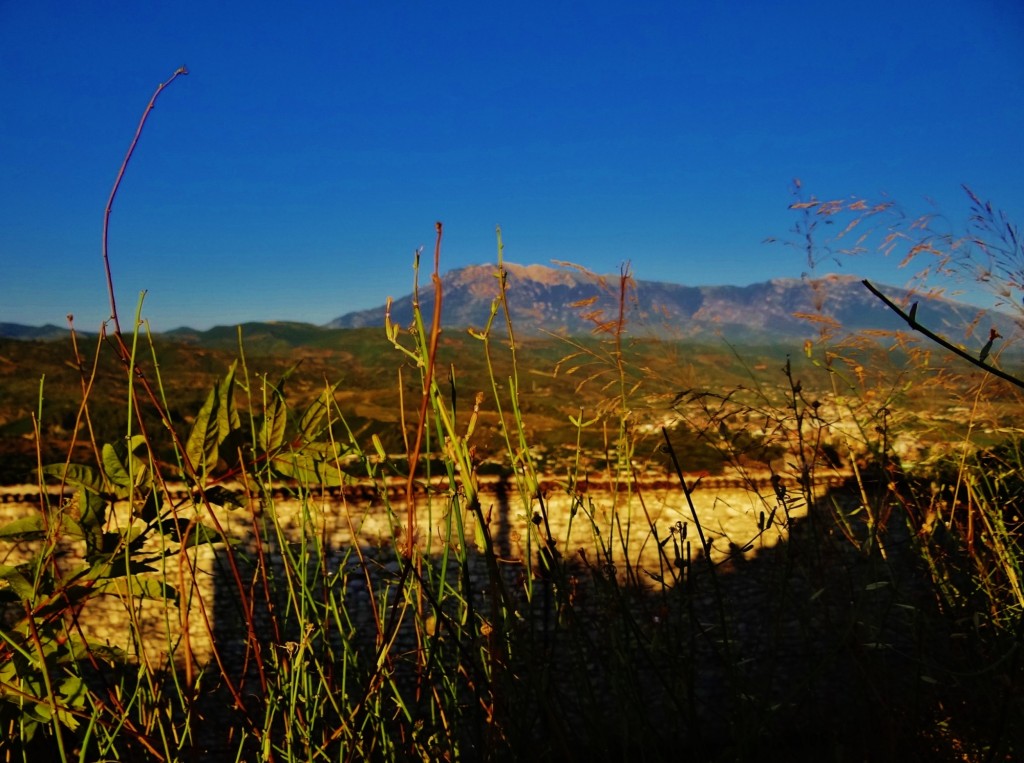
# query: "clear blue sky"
310,150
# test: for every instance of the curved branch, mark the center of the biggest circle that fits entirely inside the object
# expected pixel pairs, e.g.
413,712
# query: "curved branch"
117,184
911,320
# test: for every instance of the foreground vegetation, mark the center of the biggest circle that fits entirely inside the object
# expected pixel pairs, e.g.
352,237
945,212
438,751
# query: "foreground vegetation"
887,624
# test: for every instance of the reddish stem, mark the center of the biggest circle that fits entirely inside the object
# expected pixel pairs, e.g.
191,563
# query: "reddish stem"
117,184
435,331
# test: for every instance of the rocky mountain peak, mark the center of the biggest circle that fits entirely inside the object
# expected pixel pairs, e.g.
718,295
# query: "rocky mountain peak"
569,300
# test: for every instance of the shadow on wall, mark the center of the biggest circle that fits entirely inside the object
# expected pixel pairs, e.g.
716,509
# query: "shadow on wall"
809,650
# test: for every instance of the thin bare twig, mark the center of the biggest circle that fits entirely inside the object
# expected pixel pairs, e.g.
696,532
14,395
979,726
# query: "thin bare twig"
117,184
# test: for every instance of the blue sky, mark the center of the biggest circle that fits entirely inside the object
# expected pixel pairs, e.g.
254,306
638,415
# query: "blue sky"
310,150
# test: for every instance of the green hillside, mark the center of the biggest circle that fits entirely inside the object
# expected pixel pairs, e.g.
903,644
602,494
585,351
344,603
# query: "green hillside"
42,383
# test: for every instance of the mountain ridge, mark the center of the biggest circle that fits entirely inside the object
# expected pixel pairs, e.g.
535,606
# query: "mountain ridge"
570,300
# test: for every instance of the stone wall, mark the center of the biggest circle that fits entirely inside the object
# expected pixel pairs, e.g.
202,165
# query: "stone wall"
156,631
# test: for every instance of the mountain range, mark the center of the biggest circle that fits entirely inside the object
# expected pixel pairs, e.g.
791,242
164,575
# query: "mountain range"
568,300
571,301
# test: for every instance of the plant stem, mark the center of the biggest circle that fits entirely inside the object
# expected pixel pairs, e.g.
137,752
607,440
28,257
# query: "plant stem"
117,184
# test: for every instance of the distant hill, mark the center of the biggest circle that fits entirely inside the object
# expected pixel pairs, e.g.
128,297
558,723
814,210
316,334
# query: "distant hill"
270,336
567,301
20,331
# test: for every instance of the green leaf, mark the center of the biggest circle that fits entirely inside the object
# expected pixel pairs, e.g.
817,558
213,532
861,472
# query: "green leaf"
76,475
201,446
113,467
113,565
145,588
26,526
92,511
73,693
18,582
70,527
275,417
39,711
122,467
310,468
311,423
228,419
